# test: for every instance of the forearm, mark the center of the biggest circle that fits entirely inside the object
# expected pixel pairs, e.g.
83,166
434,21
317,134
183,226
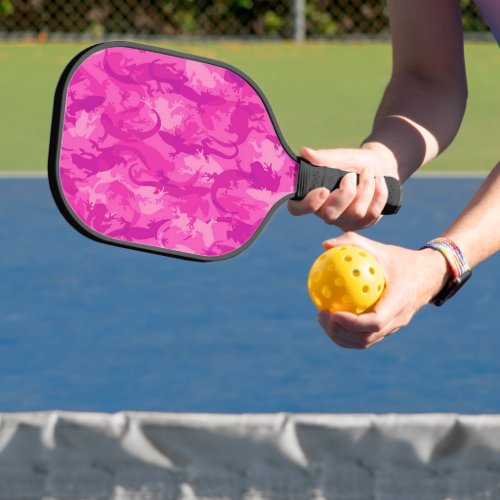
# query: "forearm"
477,230
424,103
416,120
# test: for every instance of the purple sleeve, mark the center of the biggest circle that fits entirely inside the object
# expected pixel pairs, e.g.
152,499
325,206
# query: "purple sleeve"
490,9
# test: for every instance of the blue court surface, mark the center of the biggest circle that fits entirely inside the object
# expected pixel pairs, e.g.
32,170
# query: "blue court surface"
91,327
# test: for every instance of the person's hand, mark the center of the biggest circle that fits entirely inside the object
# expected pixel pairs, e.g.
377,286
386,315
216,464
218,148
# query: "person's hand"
351,206
413,278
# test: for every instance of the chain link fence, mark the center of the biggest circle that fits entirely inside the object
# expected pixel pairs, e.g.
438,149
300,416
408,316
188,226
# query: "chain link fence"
284,19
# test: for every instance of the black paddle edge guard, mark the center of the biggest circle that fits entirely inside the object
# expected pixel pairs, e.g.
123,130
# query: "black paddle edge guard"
56,138
312,177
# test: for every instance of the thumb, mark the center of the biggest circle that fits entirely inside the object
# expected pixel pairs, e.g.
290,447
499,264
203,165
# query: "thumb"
352,159
309,154
349,238
312,155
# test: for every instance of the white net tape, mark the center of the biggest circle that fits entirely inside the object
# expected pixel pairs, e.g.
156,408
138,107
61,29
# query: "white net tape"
160,456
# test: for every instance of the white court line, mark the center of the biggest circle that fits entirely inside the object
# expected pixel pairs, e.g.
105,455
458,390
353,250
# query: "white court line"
23,174
454,174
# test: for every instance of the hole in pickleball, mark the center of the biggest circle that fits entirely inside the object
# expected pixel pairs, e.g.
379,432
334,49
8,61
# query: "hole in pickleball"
330,268
356,273
336,306
366,289
372,270
339,281
379,287
348,258
346,299
317,300
362,254
360,309
327,293
317,276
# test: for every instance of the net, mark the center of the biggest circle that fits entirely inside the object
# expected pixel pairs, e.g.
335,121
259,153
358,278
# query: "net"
159,456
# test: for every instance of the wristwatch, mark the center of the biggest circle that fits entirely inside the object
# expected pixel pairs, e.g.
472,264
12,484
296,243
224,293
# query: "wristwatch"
460,270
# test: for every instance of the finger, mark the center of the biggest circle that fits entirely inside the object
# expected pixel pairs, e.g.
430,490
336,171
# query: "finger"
385,318
365,191
324,318
357,340
311,203
338,334
316,157
373,342
347,338
380,196
392,310
353,341
366,209
362,324
341,339
362,340
338,201
344,344
393,332
376,338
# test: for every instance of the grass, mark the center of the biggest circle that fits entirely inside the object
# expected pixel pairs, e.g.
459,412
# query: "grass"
323,94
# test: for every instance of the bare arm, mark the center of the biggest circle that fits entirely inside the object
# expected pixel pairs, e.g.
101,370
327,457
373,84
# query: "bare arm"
477,229
425,100
418,117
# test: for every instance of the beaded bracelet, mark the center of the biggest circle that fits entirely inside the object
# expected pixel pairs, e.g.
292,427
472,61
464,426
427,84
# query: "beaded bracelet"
452,254
460,269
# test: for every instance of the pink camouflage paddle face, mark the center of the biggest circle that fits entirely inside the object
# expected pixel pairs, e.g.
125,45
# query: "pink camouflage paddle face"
166,152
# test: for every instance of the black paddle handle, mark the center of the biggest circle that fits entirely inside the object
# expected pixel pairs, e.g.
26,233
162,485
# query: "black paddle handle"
312,177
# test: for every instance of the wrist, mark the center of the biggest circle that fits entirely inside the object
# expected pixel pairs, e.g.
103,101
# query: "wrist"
386,156
437,272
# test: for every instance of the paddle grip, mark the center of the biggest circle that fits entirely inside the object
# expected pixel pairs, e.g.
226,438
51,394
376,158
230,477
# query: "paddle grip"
312,177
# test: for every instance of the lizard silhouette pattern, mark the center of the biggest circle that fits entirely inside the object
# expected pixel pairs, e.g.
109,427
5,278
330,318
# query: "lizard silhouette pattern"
169,152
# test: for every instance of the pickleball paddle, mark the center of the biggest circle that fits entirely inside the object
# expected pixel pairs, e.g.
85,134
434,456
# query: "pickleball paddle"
172,153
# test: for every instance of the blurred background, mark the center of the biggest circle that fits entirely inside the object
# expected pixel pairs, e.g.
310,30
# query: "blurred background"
343,62
283,19
94,328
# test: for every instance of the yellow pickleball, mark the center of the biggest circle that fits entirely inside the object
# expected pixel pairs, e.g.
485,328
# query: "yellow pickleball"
346,278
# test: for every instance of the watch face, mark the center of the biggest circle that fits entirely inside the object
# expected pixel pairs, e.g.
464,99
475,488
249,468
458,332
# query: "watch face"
451,288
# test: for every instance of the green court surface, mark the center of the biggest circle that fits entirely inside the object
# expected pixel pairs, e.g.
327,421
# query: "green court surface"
323,94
